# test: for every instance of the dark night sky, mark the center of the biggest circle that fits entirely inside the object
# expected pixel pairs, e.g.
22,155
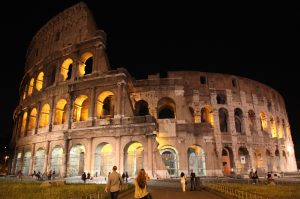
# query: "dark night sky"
258,42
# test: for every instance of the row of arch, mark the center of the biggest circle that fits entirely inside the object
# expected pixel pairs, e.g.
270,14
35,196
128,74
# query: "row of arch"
264,160
278,128
85,67
104,160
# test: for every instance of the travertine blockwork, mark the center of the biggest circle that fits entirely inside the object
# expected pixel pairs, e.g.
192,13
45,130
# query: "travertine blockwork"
76,115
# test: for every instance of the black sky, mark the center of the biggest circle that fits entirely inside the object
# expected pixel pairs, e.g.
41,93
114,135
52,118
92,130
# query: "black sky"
260,42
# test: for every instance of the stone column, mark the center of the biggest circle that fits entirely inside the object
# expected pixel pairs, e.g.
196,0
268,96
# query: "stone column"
123,99
88,155
149,155
70,110
37,118
92,106
118,153
119,99
32,159
47,157
65,159
52,114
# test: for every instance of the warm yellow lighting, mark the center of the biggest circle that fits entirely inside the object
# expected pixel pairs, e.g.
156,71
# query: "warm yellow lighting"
39,81
263,120
197,118
167,147
23,127
44,116
65,67
32,120
100,103
81,108
107,148
197,149
30,89
24,92
134,146
273,128
81,66
279,128
60,112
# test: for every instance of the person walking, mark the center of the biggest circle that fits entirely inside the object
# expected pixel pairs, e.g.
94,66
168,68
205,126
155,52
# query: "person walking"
114,182
193,180
83,177
126,176
140,184
183,181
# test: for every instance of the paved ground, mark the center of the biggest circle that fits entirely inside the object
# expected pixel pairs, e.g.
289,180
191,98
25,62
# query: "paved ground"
172,190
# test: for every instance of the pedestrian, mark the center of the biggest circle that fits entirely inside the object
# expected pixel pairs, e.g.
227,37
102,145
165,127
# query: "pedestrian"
83,177
123,176
113,183
140,184
193,179
88,176
183,181
53,174
49,175
126,176
20,175
255,177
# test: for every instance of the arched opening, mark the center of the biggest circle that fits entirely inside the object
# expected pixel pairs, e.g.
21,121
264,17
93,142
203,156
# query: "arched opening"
273,127
285,162
18,163
252,121
263,121
104,159
170,158
223,119
279,127
134,158
206,115
66,69
269,161
81,108
283,129
238,119
56,160
259,161
221,98
26,163
277,160
76,161
32,120
25,92
85,64
227,160
39,160
244,159
44,116
39,81
105,105
30,88
61,112
196,160
141,108
166,108
24,120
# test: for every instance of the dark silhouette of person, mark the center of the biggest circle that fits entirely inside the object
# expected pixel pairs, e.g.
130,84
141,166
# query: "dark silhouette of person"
123,176
83,177
193,180
126,176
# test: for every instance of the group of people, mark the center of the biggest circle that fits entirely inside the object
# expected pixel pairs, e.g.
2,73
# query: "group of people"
184,182
85,177
115,180
253,176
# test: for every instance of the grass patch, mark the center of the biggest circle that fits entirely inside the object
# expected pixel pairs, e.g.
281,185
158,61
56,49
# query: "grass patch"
286,191
24,190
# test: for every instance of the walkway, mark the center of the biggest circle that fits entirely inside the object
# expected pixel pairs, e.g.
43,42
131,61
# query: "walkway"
171,190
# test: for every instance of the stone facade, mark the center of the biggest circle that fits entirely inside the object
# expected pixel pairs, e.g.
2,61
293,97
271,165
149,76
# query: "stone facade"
75,114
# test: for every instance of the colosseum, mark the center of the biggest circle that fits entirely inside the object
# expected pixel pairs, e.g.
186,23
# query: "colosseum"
76,114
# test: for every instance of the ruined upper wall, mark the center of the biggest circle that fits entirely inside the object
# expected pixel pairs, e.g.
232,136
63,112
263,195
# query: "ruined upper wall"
72,26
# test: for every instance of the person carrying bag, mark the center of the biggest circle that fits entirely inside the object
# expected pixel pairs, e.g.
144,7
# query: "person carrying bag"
140,184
